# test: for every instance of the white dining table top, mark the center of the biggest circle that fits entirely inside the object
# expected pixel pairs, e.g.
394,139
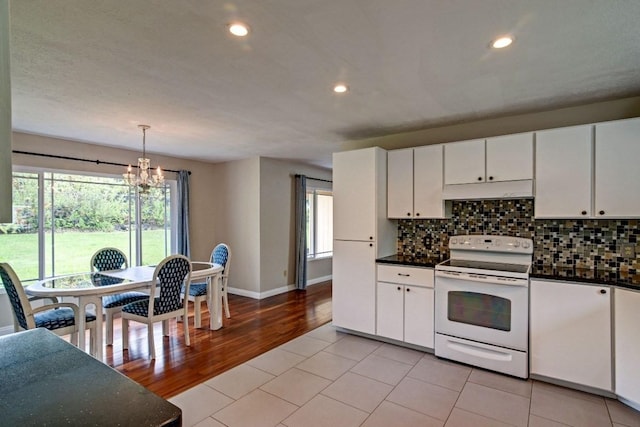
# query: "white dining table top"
109,282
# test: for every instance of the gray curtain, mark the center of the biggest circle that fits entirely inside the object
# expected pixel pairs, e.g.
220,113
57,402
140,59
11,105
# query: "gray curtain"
183,213
301,232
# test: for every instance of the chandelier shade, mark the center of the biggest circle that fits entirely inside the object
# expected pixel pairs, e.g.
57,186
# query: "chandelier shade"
143,179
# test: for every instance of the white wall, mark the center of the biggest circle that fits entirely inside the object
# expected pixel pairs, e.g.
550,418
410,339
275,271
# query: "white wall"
277,216
236,220
581,114
5,114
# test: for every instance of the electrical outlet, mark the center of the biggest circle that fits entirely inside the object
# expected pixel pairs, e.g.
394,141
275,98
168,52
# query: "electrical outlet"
628,250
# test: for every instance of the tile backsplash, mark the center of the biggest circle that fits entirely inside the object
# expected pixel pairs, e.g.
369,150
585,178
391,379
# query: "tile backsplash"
590,243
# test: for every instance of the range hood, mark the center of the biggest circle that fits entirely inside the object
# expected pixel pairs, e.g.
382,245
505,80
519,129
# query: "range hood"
521,189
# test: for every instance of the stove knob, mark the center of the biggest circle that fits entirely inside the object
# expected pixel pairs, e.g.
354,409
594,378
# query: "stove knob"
516,243
526,245
454,241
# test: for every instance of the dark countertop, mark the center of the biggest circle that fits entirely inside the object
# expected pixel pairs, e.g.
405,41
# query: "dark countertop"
610,277
44,380
415,261
625,279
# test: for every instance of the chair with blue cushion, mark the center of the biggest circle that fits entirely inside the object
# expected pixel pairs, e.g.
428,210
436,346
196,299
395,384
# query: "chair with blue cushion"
113,259
164,303
221,254
59,317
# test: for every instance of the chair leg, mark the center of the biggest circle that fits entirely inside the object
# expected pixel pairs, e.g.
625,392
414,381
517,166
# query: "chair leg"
109,320
225,301
197,312
152,346
125,333
187,340
74,338
92,341
165,327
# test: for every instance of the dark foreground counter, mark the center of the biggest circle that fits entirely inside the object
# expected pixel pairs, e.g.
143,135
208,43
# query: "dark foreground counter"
44,380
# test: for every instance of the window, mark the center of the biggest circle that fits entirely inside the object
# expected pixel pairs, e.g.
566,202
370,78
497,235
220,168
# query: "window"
62,219
320,223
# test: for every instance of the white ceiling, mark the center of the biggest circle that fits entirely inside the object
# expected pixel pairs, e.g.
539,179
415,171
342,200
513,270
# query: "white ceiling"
91,70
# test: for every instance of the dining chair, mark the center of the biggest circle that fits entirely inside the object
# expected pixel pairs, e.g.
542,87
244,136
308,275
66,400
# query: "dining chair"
113,259
163,303
221,254
58,317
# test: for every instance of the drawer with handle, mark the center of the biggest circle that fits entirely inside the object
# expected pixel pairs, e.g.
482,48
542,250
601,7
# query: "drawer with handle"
415,276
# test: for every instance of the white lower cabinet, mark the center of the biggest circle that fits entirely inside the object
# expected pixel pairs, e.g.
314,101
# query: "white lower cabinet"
405,309
627,338
570,333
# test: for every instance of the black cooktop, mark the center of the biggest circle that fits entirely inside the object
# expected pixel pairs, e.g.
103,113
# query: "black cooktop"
485,265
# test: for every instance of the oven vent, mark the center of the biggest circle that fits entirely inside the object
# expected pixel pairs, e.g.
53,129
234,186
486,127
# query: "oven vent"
521,189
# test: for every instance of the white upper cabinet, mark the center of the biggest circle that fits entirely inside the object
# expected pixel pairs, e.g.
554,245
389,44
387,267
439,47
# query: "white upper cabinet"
414,178
464,162
400,183
617,175
503,158
563,172
427,182
510,157
354,194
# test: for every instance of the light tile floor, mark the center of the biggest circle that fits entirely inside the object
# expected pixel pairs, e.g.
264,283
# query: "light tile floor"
327,378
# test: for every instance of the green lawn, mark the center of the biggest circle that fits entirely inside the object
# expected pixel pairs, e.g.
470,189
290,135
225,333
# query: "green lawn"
73,250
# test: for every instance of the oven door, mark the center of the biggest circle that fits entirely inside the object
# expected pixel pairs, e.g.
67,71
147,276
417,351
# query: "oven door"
483,308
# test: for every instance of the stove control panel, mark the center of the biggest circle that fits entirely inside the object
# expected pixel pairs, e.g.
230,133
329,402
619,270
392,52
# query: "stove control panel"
491,244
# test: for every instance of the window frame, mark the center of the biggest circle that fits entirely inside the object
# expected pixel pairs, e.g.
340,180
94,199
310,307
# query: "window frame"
312,222
134,240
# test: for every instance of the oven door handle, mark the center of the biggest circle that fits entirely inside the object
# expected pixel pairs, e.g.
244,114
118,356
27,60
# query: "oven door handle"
483,278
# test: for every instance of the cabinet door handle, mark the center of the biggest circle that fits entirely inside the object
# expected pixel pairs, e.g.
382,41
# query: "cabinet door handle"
370,244
417,213
601,212
408,289
479,178
490,178
603,291
408,213
370,237
404,275
584,212
398,287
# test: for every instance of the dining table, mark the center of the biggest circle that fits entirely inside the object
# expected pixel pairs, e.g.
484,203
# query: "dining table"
90,287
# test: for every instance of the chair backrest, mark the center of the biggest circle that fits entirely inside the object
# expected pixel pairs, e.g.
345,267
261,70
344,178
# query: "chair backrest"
108,259
171,274
221,254
17,297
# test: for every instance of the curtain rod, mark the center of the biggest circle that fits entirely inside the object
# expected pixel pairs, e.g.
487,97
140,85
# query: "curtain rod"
315,179
97,162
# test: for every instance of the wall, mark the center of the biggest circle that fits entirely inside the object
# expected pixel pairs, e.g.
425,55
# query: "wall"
236,221
277,216
582,114
254,214
5,114
581,243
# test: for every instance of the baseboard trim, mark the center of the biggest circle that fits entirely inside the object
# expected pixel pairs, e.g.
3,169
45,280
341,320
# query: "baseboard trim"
276,291
319,280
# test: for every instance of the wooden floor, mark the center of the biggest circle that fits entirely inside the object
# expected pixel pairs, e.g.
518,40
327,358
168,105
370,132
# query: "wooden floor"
255,327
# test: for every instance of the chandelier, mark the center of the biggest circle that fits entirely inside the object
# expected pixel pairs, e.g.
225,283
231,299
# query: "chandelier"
143,179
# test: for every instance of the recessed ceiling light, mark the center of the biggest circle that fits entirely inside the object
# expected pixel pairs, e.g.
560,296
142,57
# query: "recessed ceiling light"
238,29
501,42
340,88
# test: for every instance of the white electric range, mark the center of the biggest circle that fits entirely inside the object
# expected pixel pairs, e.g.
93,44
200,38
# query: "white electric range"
482,303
